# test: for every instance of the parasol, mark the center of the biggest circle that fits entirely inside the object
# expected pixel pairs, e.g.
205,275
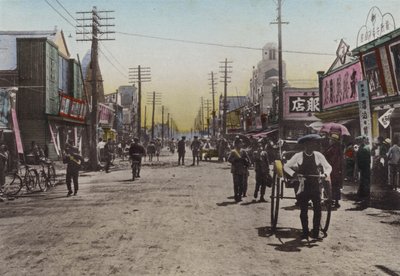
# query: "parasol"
336,128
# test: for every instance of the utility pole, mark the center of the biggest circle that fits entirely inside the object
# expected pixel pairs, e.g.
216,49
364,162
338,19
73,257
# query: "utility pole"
145,118
100,31
213,83
162,125
202,115
280,84
208,116
225,79
139,75
168,126
154,99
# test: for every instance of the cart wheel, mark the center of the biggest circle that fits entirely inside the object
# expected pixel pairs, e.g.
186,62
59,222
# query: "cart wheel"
326,206
275,193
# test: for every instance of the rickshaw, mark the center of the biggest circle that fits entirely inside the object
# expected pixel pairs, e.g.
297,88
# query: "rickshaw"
282,181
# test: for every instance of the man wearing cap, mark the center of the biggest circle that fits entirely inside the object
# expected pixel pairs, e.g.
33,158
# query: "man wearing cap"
261,167
195,147
136,151
73,160
308,162
334,156
240,162
181,150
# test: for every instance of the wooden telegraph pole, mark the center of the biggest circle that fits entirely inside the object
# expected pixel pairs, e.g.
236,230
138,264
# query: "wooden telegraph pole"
100,23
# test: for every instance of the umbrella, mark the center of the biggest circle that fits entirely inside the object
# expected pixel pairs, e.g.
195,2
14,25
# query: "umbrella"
335,127
315,125
232,136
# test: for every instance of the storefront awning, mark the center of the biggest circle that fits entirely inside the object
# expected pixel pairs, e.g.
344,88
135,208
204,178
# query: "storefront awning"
344,113
66,120
264,133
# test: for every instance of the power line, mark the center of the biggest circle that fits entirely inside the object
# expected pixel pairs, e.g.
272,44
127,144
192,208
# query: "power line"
62,6
105,56
111,54
69,22
219,44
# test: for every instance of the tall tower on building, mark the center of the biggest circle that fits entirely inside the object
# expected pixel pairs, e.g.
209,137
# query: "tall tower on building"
265,77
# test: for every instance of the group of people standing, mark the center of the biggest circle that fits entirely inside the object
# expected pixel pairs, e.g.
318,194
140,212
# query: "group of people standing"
195,147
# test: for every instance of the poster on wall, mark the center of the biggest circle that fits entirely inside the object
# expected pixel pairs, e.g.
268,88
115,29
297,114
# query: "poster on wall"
341,87
4,108
395,53
386,72
372,75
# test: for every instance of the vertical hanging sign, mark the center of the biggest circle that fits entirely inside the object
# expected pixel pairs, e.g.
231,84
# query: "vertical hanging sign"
365,109
17,134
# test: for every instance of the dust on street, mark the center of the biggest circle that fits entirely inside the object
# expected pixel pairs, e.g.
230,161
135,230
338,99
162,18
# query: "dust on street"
183,221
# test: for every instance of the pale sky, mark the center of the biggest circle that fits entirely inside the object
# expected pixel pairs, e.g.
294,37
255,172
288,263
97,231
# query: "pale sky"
180,71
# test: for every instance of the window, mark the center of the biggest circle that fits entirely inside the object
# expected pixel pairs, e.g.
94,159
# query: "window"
272,54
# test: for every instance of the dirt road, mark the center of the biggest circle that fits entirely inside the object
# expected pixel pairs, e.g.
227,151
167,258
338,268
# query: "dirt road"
182,221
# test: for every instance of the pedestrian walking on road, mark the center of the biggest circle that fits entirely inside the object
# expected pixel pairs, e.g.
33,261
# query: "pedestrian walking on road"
73,160
364,167
195,147
394,163
308,162
151,150
239,162
261,167
334,156
136,152
181,150
158,148
108,152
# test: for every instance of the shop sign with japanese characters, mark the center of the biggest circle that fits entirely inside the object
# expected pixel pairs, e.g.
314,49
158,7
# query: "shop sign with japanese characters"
376,25
365,109
304,104
385,118
340,87
300,104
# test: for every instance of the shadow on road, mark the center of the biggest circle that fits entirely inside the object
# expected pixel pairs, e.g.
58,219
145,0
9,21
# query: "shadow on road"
254,202
384,200
226,203
293,245
387,270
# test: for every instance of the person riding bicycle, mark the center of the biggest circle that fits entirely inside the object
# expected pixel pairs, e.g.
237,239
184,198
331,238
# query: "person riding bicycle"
136,152
306,163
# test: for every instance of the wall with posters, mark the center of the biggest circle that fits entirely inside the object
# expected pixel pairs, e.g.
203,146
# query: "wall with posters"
340,87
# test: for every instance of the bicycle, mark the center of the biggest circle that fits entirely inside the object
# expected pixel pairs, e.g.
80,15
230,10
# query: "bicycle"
13,184
30,177
47,175
135,159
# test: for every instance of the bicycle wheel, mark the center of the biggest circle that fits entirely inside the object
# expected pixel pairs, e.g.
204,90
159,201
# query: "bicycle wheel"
275,193
43,182
30,179
12,185
326,206
52,175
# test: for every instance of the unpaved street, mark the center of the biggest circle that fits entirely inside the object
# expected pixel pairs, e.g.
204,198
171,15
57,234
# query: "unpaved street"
182,221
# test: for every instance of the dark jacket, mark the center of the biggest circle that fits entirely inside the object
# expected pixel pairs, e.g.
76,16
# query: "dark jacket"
240,162
181,146
73,161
